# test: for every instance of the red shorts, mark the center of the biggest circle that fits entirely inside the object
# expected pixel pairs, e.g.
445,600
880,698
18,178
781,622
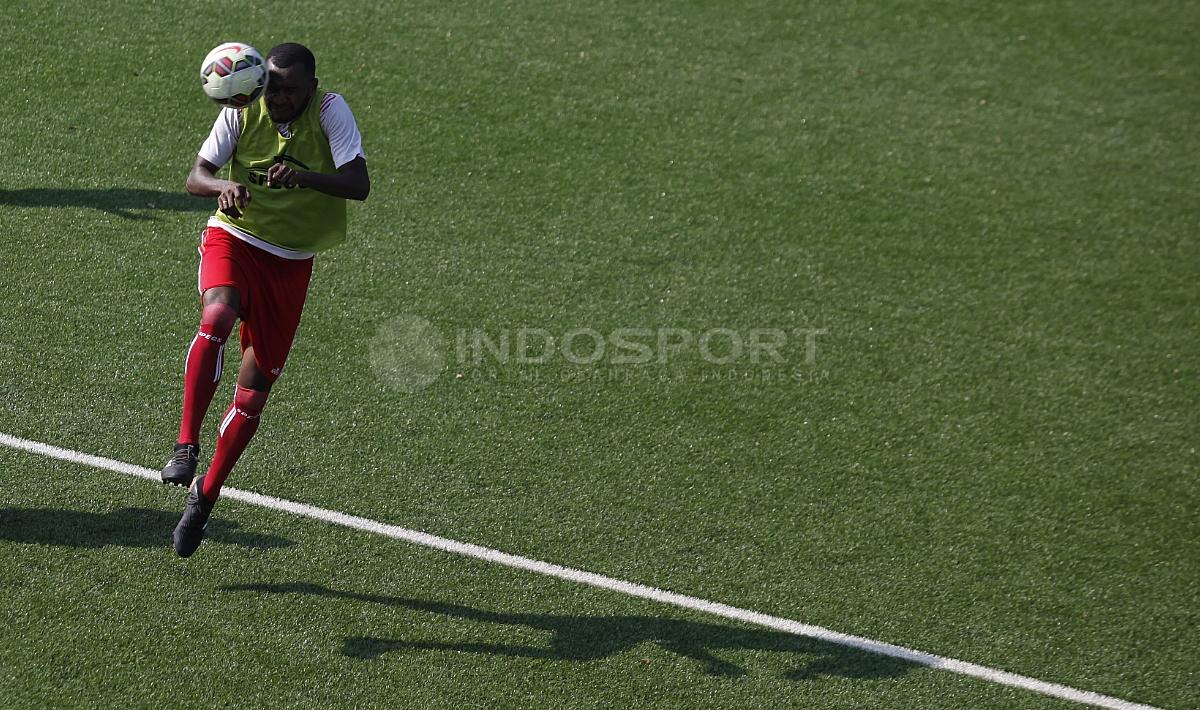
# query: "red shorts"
271,290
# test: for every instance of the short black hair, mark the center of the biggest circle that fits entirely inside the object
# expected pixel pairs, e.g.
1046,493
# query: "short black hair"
290,53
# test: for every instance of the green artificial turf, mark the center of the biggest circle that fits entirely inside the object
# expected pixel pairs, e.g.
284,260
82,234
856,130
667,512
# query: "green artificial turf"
985,217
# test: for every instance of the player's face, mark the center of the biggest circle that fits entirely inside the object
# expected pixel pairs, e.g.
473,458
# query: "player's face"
288,91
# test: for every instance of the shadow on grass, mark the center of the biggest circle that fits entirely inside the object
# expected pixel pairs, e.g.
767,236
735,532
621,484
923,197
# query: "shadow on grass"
127,203
588,638
127,527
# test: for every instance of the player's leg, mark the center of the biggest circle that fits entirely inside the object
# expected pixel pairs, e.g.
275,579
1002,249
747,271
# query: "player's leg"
239,424
220,276
201,375
206,358
271,311
268,333
237,428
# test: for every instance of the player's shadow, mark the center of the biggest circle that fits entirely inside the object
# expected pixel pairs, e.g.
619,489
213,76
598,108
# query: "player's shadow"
128,203
127,527
589,638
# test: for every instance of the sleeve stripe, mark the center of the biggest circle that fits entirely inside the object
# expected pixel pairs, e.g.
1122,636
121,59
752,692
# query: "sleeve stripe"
345,143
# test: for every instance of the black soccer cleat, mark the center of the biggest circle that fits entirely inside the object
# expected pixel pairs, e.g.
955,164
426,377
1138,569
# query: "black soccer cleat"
189,533
181,469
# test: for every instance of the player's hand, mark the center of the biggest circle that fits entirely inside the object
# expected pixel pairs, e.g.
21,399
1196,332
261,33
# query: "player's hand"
233,199
282,175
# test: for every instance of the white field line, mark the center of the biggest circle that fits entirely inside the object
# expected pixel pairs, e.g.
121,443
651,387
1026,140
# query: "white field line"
596,580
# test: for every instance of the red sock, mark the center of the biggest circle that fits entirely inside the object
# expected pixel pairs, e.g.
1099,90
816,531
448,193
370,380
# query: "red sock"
202,369
238,426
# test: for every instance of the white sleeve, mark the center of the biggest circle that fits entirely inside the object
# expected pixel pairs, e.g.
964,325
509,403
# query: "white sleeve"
345,142
219,146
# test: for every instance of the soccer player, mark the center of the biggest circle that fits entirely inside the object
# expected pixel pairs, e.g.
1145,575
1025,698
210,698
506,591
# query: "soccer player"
294,157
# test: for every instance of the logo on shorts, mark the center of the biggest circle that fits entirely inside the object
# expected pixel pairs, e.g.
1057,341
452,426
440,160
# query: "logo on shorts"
276,370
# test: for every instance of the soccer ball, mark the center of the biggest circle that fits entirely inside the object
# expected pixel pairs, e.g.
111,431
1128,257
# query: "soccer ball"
233,74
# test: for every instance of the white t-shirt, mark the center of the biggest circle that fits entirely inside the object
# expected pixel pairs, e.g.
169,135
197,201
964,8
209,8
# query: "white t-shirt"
345,143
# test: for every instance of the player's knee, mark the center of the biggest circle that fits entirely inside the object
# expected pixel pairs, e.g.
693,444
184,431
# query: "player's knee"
250,376
250,402
216,320
228,295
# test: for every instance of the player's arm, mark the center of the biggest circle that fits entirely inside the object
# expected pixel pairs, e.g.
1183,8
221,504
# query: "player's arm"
218,150
350,182
202,181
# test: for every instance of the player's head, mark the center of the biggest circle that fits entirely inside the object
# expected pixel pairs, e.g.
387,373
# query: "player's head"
292,83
